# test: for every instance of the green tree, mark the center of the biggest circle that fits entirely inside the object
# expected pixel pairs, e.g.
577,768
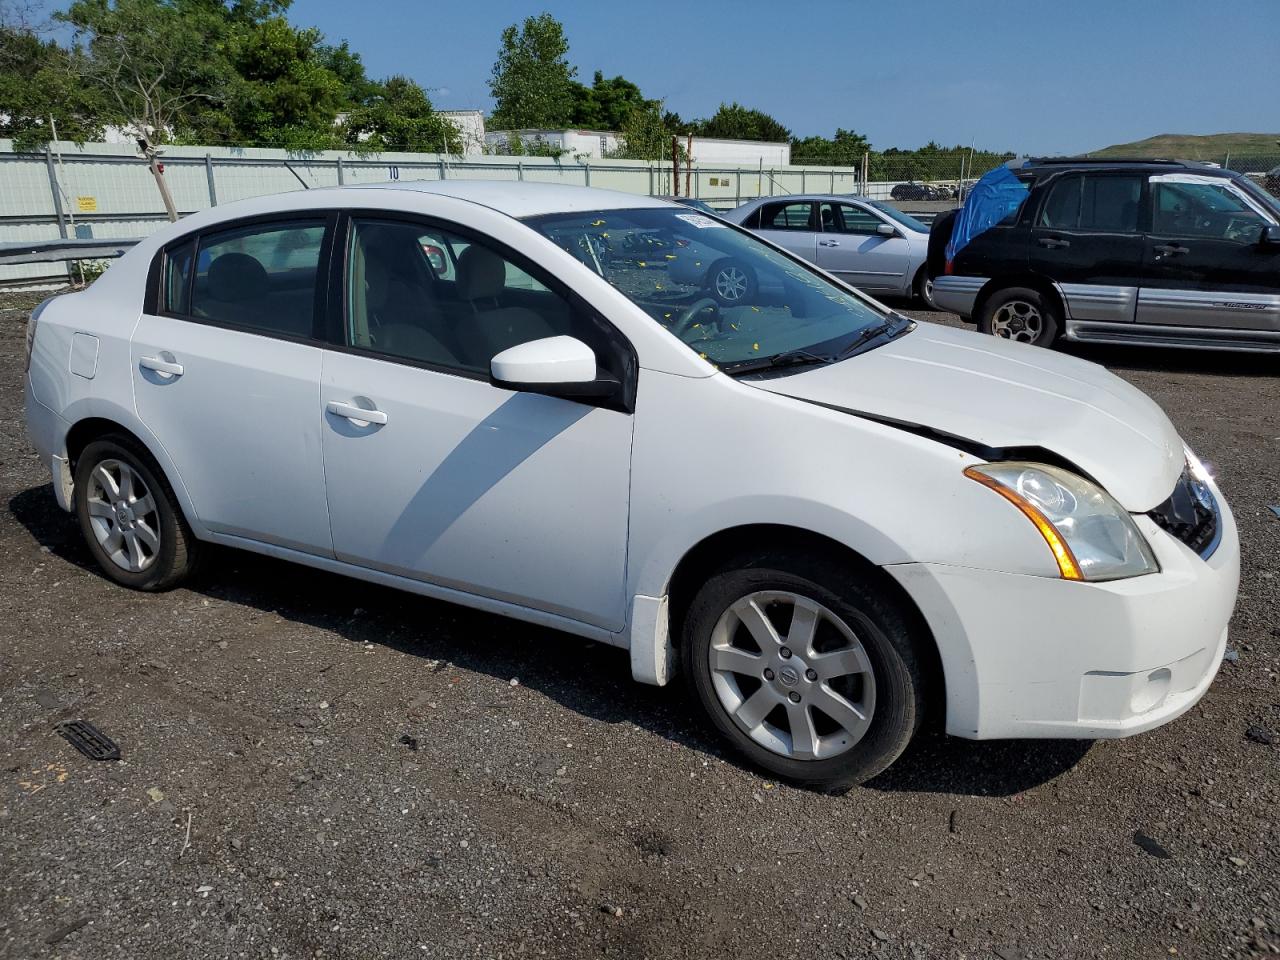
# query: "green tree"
736,122
606,104
845,149
397,115
532,81
38,92
645,134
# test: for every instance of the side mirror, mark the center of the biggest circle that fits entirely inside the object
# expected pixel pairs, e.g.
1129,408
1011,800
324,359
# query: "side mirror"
555,366
886,230
1271,233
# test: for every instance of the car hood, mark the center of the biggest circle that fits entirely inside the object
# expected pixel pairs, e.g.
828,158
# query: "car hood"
994,393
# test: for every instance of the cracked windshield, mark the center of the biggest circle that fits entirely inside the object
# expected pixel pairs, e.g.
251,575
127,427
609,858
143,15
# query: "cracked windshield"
728,296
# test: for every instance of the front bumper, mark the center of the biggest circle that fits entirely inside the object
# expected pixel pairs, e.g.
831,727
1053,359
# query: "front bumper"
1040,657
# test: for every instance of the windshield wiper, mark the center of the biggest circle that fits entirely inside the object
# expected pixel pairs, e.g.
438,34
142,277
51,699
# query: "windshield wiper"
788,358
883,327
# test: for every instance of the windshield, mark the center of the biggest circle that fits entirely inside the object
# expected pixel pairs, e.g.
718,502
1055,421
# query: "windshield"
908,221
723,292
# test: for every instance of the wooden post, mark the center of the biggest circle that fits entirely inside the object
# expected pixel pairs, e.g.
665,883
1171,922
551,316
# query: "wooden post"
688,167
675,165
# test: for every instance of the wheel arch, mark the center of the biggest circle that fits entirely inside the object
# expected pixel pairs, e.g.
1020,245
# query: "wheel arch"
705,556
1031,281
89,428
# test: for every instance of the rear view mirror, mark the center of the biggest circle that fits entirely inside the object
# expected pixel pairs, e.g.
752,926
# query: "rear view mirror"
1271,233
555,366
885,230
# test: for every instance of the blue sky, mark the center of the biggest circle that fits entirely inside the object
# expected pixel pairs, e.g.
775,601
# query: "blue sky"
1034,76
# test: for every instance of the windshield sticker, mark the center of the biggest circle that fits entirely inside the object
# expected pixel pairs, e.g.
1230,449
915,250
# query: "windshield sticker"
700,221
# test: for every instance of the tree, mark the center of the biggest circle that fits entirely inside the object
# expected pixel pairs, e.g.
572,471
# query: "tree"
152,64
39,93
606,104
398,115
645,134
736,122
845,149
532,82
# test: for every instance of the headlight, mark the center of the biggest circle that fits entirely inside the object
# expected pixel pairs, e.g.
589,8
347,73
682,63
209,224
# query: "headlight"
1091,536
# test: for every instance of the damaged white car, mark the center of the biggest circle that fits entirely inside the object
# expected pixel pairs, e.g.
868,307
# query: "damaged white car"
832,519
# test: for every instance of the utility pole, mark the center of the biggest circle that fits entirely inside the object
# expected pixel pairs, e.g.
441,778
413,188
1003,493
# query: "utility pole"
688,167
152,156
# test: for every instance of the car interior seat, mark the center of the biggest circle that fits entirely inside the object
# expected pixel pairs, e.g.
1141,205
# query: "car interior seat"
492,326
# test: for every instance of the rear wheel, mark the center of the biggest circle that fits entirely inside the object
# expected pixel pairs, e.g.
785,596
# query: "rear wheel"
1021,314
731,282
923,288
130,517
809,671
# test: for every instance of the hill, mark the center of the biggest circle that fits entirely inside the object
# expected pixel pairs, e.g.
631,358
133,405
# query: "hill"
1214,146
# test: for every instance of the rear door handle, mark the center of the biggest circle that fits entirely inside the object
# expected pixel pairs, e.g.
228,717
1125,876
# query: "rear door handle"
160,365
1169,249
828,243
1053,243
355,414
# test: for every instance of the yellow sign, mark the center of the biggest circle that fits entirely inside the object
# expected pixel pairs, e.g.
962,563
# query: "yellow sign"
87,204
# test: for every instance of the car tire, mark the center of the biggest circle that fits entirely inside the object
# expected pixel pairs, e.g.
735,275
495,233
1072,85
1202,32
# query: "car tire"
923,289
731,282
130,518
869,630
1021,314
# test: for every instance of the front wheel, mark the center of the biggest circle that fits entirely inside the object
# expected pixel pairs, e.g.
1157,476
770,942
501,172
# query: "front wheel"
1021,314
130,517
808,670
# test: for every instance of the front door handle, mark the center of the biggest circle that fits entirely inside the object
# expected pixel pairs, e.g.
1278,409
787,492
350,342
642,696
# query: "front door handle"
357,415
1169,249
828,243
1053,243
166,367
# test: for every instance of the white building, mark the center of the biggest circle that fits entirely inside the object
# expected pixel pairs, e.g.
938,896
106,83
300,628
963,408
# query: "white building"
470,124
709,152
588,144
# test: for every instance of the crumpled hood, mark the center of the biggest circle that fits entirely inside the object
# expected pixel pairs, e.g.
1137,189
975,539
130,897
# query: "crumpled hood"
1002,394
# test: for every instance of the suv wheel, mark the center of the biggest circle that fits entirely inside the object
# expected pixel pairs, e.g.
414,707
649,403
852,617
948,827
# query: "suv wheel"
1022,314
807,670
130,517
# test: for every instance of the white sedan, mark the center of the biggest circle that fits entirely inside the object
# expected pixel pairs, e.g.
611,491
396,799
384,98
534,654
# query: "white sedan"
831,519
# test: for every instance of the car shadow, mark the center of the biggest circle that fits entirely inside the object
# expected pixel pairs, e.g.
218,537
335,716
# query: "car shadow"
597,684
1221,363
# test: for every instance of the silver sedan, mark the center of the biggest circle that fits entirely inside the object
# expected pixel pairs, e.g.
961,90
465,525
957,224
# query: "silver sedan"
868,244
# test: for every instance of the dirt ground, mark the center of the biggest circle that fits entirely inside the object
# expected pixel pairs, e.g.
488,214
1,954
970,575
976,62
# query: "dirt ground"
315,767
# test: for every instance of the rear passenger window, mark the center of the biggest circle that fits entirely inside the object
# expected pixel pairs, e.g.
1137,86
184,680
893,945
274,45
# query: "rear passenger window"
176,297
787,216
1107,204
261,277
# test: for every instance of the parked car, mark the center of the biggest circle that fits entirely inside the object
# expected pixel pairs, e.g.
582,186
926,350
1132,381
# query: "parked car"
918,191
868,244
834,519
1154,253
694,202
1271,181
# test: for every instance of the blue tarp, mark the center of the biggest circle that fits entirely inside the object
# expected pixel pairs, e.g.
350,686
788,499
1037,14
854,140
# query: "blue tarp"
997,195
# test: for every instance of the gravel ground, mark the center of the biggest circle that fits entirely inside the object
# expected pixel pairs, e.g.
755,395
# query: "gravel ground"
314,767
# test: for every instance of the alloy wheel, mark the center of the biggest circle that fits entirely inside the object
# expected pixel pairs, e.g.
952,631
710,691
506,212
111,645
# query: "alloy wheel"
731,284
1018,320
123,515
792,675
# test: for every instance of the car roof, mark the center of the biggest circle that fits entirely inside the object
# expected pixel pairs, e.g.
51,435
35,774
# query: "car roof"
520,199
1140,164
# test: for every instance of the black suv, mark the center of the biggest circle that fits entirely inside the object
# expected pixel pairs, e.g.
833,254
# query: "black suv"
1154,252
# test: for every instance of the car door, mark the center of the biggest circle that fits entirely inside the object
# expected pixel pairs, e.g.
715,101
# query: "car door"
1086,238
852,247
435,474
1207,264
792,225
226,369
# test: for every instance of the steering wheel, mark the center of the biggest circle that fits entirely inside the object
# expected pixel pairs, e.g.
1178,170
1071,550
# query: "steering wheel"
685,320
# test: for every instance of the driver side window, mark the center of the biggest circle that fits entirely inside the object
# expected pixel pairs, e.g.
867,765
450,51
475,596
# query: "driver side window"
1208,210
